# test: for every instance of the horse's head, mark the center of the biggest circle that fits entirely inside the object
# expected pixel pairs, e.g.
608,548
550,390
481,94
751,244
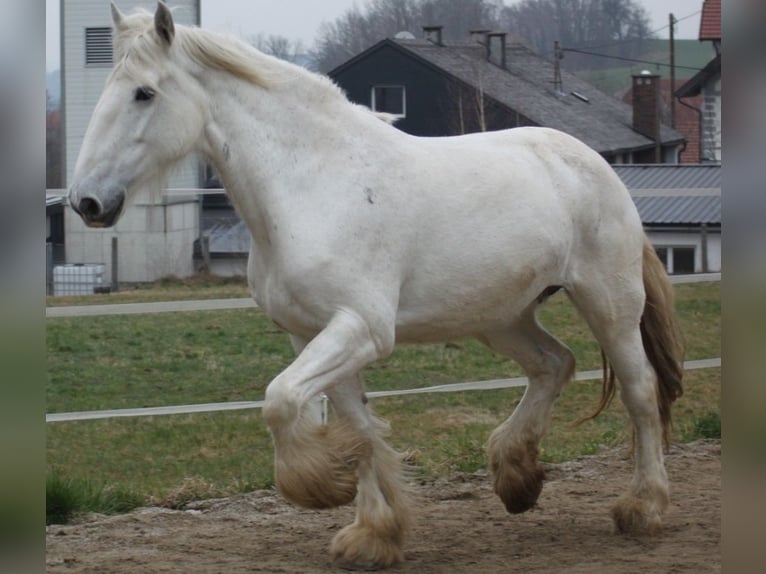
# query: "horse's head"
149,116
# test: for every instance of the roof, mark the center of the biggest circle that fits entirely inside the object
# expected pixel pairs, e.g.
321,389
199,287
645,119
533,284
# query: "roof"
710,21
694,85
670,176
673,194
526,86
684,210
225,231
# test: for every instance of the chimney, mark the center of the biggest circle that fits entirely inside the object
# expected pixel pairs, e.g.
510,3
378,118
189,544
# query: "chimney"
479,36
496,48
646,107
433,34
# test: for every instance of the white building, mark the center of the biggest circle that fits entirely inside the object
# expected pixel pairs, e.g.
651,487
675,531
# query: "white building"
156,233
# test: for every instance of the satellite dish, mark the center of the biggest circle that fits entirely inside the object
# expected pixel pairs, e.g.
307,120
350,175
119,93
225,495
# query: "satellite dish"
404,35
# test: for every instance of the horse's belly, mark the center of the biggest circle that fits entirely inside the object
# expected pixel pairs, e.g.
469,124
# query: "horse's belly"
454,313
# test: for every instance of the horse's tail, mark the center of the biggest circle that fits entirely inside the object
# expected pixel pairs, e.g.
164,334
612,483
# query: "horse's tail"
662,340
661,336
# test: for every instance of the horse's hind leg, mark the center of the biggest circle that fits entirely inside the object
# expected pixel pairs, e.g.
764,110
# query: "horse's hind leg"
613,313
513,446
375,539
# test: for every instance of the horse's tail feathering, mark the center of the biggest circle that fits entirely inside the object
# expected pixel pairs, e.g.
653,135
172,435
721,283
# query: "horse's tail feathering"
661,336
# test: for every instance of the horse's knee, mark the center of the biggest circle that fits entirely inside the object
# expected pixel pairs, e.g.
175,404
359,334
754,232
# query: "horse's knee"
517,475
279,406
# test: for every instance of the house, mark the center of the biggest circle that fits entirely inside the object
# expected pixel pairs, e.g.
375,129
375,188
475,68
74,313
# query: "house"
706,85
680,207
487,83
156,234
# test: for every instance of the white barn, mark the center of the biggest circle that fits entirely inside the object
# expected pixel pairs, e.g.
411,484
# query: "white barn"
156,234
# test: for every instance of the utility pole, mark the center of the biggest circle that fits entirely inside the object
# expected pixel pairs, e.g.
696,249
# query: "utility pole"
557,56
672,72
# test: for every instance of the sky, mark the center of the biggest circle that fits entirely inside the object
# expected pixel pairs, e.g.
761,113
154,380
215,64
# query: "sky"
300,19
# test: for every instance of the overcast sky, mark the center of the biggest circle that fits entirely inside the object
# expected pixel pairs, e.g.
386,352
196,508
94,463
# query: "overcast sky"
300,19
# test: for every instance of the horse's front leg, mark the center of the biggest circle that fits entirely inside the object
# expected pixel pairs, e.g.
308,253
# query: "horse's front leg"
316,465
376,538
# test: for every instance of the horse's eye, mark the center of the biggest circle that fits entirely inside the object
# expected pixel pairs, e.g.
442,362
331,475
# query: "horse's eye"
144,94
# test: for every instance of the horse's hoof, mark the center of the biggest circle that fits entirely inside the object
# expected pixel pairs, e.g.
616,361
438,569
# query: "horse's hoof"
361,548
631,518
316,467
518,479
640,514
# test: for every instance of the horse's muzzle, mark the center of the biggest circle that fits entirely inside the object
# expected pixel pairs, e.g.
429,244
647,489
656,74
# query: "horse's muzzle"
95,211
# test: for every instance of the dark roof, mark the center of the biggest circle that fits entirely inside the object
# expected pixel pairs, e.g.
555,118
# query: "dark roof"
710,21
672,194
694,85
526,86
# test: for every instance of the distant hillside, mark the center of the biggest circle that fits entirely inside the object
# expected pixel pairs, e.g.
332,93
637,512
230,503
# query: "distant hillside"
691,55
53,87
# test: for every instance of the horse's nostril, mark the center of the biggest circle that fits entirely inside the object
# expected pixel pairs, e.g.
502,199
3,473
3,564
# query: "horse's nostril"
90,208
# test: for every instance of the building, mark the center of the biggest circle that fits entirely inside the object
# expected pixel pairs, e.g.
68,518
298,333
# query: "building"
680,207
705,85
155,236
486,83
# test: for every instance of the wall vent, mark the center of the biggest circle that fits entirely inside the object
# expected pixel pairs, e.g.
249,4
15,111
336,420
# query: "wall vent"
98,46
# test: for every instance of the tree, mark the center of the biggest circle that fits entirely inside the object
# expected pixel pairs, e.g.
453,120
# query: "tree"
278,46
356,29
53,150
612,27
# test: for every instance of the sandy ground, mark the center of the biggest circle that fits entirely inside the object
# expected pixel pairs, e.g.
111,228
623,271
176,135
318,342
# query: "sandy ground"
460,527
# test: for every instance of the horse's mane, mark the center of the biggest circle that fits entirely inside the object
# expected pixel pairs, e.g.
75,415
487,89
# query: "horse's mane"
135,43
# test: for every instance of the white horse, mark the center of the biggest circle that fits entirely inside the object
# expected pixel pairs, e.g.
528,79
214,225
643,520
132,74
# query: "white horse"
364,236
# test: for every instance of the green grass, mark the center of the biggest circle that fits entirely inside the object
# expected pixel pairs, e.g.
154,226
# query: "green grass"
180,358
67,497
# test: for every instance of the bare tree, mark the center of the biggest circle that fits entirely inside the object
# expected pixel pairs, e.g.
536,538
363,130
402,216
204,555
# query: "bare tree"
278,46
612,27
358,29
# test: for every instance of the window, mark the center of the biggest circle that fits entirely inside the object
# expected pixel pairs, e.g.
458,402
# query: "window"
677,260
389,99
98,46
683,260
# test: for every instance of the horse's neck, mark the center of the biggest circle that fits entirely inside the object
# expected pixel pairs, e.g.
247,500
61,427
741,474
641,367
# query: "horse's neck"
258,138
262,142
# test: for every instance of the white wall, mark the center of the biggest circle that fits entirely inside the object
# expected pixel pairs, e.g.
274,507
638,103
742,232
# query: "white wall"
148,250
153,241
691,239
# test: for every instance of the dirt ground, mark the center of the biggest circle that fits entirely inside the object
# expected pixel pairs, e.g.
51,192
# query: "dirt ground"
460,527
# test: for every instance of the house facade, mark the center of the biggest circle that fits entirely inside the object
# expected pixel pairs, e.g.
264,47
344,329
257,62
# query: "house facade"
486,83
155,235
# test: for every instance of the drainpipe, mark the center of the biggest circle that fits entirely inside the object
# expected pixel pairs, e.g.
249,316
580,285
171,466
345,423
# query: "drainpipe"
699,126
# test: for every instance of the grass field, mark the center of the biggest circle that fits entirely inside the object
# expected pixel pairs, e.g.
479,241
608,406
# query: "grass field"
180,358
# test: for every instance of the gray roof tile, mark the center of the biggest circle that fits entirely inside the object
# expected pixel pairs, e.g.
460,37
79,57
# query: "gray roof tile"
603,122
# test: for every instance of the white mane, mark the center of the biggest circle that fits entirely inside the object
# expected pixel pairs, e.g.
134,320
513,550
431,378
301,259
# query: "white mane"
136,45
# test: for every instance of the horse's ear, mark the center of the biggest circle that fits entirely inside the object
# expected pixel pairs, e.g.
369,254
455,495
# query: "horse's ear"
163,23
116,17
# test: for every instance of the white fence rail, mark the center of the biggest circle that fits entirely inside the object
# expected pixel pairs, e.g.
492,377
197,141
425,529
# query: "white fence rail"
217,304
242,405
